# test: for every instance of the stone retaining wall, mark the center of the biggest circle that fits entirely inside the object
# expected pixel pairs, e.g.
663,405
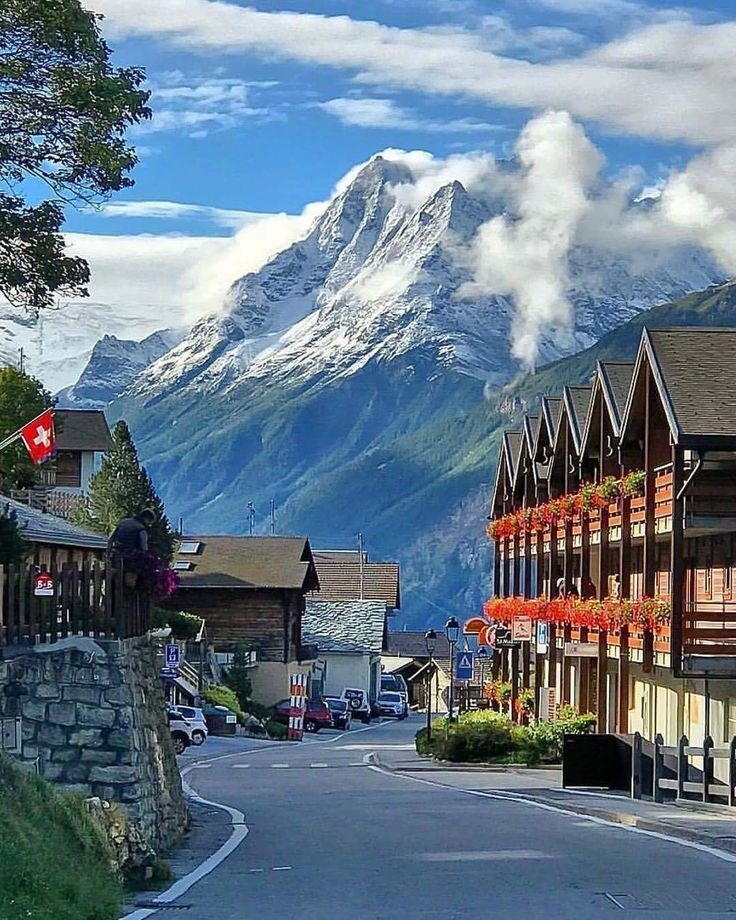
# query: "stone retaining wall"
94,722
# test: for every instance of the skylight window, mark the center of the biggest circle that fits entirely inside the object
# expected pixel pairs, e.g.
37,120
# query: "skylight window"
190,548
183,566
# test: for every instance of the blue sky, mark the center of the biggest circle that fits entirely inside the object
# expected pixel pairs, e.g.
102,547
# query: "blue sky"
243,127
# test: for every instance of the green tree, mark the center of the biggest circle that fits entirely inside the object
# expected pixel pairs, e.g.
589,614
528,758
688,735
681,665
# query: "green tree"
13,548
64,111
123,488
237,677
22,398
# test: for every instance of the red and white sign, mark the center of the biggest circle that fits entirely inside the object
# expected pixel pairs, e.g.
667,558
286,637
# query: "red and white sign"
521,629
43,585
39,437
298,702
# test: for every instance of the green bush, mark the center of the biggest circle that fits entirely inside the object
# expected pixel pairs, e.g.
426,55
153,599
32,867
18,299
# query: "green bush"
276,730
484,736
218,695
184,626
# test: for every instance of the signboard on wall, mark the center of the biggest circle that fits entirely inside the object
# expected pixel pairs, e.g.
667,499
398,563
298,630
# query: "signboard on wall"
521,629
547,704
43,585
581,649
542,637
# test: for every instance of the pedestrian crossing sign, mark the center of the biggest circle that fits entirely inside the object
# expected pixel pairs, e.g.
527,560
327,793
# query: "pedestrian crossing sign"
464,666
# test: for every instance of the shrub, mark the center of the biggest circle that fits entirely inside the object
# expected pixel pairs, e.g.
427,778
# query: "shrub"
183,625
477,736
277,730
224,696
548,737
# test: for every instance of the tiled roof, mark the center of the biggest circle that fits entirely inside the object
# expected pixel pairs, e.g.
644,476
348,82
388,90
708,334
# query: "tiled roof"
345,626
249,562
46,528
616,379
82,429
697,366
413,645
341,581
578,400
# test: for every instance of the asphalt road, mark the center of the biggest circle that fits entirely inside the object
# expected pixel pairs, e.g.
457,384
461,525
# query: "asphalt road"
332,838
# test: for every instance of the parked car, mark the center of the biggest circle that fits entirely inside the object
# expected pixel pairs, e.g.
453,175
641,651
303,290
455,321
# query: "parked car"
341,715
181,732
390,703
396,684
316,715
357,700
220,719
197,719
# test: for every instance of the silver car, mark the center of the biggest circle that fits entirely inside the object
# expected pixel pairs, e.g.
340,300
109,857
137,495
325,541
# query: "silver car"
390,703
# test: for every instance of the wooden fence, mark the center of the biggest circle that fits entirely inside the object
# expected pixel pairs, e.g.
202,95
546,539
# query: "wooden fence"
92,600
678,776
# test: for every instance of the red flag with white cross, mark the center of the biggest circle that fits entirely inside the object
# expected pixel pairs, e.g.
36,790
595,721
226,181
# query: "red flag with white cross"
39,437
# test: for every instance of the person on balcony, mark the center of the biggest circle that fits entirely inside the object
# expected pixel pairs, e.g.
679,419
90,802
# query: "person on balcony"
131,534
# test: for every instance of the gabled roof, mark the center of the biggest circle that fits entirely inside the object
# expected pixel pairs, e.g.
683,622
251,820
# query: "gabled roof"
38,527
413,645
341,579
693,372
512,445
346,626
576,402
615,377
530,431
248,562
551,407
82,429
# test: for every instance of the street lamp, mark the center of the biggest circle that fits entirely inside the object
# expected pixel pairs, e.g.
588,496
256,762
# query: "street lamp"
452,631
430,640
482,656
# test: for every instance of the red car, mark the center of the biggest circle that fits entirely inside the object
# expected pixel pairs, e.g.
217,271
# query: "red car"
317,714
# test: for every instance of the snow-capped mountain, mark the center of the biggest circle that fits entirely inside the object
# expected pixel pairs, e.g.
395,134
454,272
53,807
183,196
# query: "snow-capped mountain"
113,364
374,280
345,381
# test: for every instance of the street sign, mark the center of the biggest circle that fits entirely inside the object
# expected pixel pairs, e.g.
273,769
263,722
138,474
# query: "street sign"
43,585
522,629
542,637
547,704
504,639
168,673
464,666
581,649
173,655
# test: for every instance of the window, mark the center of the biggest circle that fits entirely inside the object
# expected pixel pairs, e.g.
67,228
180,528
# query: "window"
190,548
183,566
708,584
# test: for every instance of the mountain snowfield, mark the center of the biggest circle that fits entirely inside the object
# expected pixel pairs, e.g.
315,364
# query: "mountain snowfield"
345,380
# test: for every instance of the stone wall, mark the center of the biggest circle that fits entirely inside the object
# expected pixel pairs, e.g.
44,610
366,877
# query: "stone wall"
94,722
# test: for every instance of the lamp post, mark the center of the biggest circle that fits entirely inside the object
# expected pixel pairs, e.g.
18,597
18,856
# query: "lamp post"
482,657
452,631
430,640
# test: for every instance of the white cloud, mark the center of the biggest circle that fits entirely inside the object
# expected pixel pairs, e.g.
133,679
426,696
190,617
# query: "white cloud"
670,80
175,210
365,112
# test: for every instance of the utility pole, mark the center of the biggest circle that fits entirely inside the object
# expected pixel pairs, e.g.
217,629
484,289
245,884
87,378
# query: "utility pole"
360,564
273,516
251,518
21,359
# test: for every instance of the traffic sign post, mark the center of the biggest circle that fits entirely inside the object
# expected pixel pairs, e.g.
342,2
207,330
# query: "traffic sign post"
521,629
173,655
504,639
464,665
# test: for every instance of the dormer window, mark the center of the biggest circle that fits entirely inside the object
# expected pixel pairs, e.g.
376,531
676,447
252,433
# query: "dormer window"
190,548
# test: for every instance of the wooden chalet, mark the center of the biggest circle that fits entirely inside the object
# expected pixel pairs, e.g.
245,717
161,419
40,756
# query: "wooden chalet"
251,590
616,529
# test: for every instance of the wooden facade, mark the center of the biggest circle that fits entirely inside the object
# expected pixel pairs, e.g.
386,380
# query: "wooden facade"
669,418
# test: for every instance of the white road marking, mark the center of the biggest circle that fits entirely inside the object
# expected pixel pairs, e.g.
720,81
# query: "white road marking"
280,766
240,766
180,887
256,870
281,869
519,798
319,765
201,766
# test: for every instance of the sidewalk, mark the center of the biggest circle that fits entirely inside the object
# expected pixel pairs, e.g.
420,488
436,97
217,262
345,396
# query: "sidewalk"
707,825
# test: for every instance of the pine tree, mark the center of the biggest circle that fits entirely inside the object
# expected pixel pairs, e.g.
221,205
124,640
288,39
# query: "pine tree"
13,548
123,488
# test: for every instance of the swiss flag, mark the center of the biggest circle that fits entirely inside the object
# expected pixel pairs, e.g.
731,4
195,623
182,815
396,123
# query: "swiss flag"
39,437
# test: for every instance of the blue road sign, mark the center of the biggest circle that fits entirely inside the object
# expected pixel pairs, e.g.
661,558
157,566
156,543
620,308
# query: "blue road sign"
464,665
173,656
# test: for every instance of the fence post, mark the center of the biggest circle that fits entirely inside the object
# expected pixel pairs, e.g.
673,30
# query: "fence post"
707,768
636,766
732,772
681,767
658,772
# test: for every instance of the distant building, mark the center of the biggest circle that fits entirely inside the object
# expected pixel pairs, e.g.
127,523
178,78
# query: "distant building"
350,635
82,439
345,576
251,590
53,541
